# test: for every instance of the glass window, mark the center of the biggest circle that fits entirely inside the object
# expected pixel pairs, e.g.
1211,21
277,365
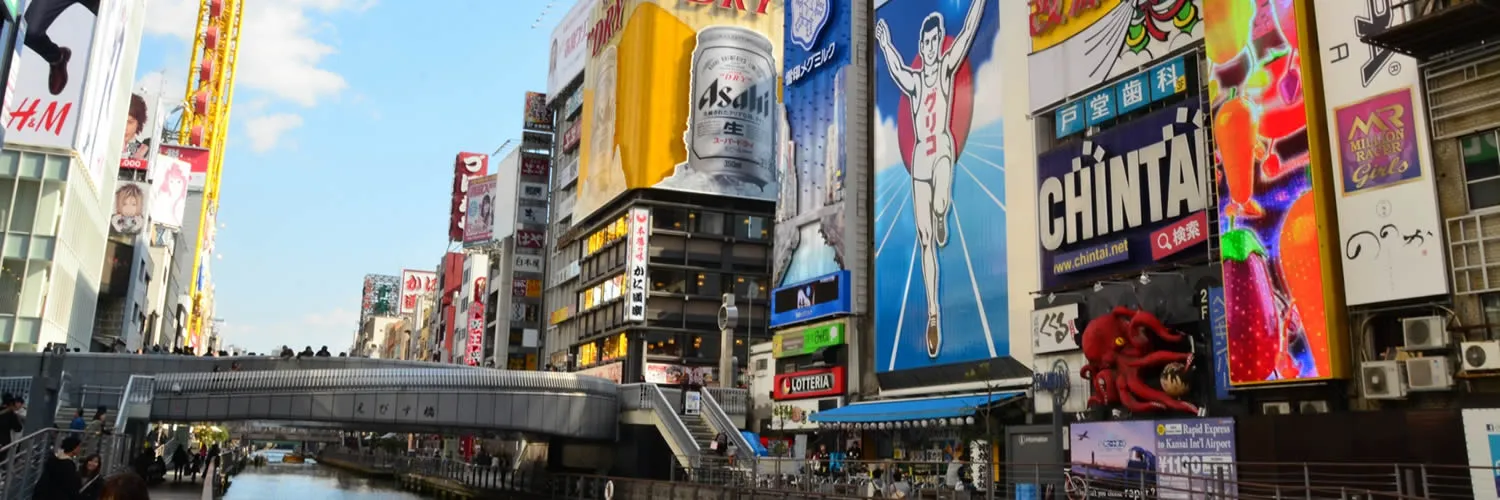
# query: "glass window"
34,290
668,280
708,223
1482,169
675,219
23,218
12,272
751,227
49,208
709,284
749,287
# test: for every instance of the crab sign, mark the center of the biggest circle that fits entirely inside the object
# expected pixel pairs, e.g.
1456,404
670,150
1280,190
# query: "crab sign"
1119,346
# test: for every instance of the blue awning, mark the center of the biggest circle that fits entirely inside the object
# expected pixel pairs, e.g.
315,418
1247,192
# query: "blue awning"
896,410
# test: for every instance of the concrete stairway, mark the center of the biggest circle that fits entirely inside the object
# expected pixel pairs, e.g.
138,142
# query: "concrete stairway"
702,432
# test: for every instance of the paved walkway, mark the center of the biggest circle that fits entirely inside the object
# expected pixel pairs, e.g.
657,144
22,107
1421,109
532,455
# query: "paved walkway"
177,491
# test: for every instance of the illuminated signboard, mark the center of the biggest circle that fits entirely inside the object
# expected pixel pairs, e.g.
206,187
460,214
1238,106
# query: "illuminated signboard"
816,298
809,339
603,293
616,231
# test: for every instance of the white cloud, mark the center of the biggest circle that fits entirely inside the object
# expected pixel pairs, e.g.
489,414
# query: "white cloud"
334,328
887,143
988,77
281,57
265,131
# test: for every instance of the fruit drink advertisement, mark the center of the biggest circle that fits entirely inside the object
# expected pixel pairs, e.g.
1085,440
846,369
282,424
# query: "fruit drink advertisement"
1268,217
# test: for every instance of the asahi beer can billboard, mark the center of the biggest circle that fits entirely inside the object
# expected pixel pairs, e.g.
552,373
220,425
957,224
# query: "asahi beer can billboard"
731,133
717,64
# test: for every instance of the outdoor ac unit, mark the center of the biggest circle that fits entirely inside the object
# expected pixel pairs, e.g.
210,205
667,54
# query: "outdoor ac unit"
1382,380
1310,407
1428,374
1276,408
1478,356
1424,333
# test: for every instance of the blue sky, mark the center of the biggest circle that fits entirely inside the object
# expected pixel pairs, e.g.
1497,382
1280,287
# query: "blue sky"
347,116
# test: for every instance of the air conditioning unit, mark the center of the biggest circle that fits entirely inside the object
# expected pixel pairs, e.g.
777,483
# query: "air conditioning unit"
1382,380
1479,356
1276,408
1310,407
1428,374
1424,333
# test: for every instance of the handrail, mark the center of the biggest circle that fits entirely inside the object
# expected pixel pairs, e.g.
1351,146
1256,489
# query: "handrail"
676,430
721,423
138,390
21,462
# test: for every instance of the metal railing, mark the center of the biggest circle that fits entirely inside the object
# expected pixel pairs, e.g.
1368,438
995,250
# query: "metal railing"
733,401
671,424
479,476
99,395
1198,480
137,392
21,462
590,487
722,424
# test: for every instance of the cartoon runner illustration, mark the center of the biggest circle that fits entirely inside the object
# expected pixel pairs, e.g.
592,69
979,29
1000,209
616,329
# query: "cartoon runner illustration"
930,90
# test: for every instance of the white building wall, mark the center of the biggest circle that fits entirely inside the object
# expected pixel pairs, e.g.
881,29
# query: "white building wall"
1020,178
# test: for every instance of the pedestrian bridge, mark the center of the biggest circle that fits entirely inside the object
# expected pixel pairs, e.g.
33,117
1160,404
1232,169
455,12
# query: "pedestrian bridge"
387,399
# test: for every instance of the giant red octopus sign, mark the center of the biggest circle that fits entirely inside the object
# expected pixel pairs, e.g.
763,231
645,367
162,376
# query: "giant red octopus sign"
1125,347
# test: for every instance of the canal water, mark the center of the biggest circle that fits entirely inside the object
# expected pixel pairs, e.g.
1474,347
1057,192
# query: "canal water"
293,481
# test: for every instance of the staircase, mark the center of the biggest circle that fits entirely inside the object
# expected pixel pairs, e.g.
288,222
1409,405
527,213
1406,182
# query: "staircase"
64,418
702,432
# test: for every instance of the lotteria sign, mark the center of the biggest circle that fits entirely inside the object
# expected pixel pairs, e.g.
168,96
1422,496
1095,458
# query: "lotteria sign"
809,339
810,384
1101,203
819,297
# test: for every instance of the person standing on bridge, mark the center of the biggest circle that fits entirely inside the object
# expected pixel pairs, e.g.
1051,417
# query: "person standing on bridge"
60,480
10,420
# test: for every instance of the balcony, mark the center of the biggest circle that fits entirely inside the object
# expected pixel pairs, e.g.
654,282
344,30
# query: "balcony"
1426,28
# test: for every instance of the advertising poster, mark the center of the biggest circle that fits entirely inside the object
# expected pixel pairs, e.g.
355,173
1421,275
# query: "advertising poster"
569,48
1148,180
1482,435
169,184
197,160
1055,329
479,222
538,115
143,122
129,215
380,297
940,189
465,167
1056,377
1169,459
60,96
718,135
1079,44
1389,225
810,235
415,284
1268,215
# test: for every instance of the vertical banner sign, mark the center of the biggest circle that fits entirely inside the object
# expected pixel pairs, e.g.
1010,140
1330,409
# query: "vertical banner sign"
414,284
717,134
538,115
810,232
569,44
1274,291
480,217
1113,203
1218,328
1389,224
474,348
465,167
1079,44
942,181
636,274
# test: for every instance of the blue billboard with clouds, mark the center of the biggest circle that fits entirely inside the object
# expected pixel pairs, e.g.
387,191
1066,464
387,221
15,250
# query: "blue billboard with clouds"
810,237
941,286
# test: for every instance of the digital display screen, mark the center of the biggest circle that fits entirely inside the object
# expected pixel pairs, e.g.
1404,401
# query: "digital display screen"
807,294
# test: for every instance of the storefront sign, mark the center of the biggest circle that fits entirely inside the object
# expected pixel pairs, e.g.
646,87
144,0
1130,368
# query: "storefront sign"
534,191
1056,376
797,415
535,166
819,297
1099,198
810,339
530,239
1054,329
636,288
571,137
561,314
566,272
611,372
1179,236
527,263
810,384
1132,93
670,374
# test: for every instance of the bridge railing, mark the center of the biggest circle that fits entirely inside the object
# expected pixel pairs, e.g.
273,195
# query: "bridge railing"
722,424
592,487
135,399
481,476
21,462
90,396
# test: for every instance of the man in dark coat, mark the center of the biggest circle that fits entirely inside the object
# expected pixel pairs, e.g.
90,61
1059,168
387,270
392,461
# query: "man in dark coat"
60,480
